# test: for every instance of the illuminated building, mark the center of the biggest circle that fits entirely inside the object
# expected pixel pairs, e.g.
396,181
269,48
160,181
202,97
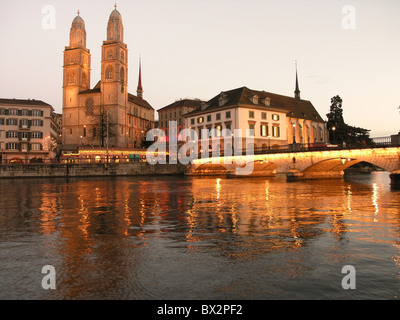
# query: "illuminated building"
175,112
28,131
273,120
88,111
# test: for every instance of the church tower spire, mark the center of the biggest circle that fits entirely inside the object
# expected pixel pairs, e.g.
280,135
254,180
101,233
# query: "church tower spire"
77,58
139,90
114,62
77,35
115,28
297,90
114,77
76,73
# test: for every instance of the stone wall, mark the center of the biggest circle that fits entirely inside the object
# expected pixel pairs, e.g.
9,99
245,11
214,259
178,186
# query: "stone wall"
88,170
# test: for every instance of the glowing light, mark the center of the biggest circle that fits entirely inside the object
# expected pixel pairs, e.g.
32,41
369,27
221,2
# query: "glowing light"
218,187
374,197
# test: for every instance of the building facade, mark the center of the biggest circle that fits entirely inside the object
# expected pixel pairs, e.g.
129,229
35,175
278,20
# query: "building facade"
175,112
28,131
272,120
107,114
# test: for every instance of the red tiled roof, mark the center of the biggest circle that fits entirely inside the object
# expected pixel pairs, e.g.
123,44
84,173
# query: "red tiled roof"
182,103
295,108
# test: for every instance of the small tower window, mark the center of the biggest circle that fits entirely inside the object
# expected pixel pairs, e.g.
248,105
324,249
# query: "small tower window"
109,72
84,80
109,55
122,75
71,78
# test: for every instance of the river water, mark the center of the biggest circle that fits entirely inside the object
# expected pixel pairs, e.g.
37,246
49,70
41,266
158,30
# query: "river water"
200,238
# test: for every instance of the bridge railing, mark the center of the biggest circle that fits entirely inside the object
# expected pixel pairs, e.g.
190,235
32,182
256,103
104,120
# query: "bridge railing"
381,142
384,141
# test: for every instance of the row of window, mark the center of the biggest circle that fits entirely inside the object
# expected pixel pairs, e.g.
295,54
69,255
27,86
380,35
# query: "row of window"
166,123
110,55
170,114
21,112
209,118
23,123
264,130
93,131
24,135
71,78
110,74
76,58
23,146
274,117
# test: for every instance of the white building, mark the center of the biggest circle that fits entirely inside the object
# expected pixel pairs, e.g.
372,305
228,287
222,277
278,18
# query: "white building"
272,120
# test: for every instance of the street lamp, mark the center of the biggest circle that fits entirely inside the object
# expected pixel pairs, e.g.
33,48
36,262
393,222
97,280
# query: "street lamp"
334,134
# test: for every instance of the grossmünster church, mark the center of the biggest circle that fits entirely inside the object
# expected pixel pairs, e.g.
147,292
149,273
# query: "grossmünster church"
107,112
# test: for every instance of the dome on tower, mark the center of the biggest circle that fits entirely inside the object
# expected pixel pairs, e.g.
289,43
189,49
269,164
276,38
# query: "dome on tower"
78,22
77,35
115,14
115,28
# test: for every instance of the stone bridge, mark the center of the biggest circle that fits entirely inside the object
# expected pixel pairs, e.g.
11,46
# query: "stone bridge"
301,165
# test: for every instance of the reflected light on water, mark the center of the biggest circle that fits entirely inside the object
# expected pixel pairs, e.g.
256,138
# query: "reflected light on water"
374,197
179,237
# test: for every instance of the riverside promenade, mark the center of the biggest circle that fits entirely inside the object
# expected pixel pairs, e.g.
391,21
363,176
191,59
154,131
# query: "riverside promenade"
88,170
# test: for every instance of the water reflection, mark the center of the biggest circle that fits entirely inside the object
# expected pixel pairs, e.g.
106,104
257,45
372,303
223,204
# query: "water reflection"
130,237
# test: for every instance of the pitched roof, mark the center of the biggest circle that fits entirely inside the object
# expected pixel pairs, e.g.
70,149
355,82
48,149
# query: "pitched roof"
96,89
131,98
24,102
182,103
296,108
139,101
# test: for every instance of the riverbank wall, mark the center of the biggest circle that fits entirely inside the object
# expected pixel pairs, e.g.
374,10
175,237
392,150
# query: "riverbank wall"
88,170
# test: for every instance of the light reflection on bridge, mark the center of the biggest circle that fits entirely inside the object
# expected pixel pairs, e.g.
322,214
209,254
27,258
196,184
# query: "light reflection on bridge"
302,165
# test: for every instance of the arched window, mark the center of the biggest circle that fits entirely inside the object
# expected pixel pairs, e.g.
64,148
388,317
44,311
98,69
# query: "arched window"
84,79
109,72
122,75
71,77
109,55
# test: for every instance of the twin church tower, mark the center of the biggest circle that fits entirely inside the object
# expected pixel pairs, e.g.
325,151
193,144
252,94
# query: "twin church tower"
86,110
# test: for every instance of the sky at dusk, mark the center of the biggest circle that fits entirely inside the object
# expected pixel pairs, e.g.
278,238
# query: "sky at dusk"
199,48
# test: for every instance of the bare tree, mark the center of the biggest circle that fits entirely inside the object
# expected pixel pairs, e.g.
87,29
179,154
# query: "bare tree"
103,126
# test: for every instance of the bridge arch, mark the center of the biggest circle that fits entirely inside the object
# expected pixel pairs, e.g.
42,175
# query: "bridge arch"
263,168
329,168
316,164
